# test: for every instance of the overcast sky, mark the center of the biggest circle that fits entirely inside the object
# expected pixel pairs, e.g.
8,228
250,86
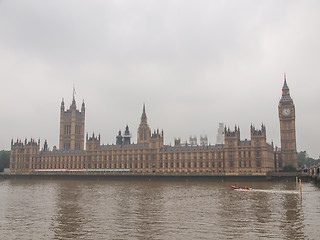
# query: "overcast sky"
193,63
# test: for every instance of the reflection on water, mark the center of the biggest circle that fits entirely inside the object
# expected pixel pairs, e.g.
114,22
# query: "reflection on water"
293,218
154,209
68,219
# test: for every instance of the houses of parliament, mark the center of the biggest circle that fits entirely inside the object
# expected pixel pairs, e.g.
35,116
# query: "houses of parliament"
149,154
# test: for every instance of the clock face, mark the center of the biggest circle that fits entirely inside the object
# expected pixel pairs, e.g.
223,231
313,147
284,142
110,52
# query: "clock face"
286,111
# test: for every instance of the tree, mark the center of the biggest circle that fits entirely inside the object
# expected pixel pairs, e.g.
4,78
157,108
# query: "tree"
304,161
4,160
289,168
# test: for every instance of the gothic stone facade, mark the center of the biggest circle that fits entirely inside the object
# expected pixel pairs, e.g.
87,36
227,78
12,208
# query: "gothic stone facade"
151,155
72,127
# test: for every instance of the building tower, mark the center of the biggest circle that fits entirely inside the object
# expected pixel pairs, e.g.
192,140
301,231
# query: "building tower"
287,128
144,132
203,140
119,138
127,136
220,138
72,126
193,140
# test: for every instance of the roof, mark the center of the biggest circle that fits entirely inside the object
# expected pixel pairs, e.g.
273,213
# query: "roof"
285,85
168,148
118,146
63,152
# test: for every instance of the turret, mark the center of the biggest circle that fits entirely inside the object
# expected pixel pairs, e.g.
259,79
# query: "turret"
119,138
93,142
62,105
258,136
156,139
127,136
255,132
232,138
83,107
45,146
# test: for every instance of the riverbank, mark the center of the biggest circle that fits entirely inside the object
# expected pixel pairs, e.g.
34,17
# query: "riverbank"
192,176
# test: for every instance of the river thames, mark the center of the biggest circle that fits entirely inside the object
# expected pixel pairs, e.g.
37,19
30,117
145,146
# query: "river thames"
156,209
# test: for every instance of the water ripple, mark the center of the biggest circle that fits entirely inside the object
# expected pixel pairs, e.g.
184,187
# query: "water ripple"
110,209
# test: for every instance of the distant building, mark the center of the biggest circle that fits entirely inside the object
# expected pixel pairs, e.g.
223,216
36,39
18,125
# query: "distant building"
193,140
220,139
203,140
230,156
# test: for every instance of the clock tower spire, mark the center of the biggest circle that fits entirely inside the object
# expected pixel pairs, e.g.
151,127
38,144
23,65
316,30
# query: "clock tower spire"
287,128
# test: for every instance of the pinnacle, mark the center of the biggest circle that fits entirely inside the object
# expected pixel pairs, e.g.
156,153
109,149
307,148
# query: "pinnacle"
285,85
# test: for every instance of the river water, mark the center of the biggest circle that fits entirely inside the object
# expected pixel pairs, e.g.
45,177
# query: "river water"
156,209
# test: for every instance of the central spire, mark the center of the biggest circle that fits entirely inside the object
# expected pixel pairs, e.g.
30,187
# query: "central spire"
144,115
144,132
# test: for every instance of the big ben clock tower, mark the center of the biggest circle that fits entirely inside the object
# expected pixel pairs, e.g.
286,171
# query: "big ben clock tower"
287,128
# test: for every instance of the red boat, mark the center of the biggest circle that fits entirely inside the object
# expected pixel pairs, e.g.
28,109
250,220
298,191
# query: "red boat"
241,188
